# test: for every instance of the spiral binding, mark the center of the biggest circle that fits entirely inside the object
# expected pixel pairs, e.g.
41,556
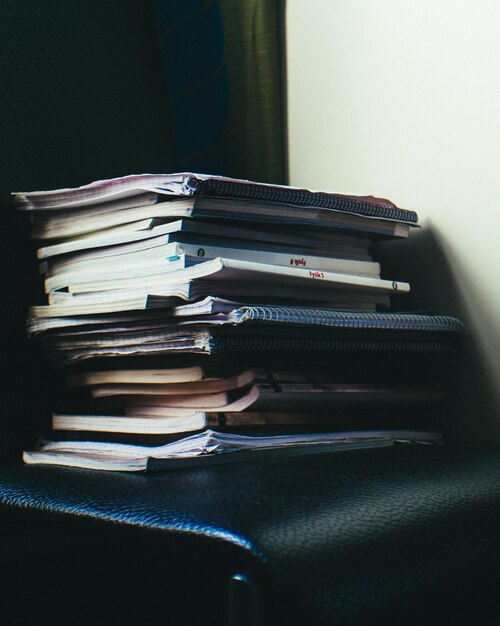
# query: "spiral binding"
300,197
345,319
318,344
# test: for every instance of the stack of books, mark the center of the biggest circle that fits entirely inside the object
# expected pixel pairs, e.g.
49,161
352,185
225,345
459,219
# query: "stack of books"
199,318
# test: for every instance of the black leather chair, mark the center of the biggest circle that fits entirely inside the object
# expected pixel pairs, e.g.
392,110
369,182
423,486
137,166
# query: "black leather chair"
400,535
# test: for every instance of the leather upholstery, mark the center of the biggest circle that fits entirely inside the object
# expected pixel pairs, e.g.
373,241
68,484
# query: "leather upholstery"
400,535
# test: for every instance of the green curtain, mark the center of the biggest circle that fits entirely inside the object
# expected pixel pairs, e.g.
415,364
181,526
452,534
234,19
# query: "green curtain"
256,125
223,73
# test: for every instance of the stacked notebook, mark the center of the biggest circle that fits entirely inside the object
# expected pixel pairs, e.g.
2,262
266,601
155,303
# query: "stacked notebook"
197,318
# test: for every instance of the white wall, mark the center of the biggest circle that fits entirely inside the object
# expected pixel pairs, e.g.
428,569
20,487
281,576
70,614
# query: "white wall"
401,98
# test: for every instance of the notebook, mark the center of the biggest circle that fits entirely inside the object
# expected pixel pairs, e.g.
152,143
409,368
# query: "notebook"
218,447
189,184
262,328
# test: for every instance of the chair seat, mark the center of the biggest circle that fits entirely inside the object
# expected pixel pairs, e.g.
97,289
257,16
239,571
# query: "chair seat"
343,538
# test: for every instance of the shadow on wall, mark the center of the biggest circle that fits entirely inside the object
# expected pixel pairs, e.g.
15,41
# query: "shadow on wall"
440,285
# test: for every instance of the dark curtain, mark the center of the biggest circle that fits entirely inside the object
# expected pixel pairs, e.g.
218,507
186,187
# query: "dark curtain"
222,62
253,32
84,95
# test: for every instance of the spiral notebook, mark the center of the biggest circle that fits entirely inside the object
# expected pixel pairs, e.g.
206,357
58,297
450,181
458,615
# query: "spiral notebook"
305,316
327,330
263,328
189,184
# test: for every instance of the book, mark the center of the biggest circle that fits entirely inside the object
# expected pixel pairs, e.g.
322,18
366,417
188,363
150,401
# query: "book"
190,184
181,270
190,230
159,406
257,328
275,386
138,376
170,261
151,387
132,255
207,306
86,221
206,289
210,342
266,423
286,397
260,319
270,397
211,447
81,306
164,425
